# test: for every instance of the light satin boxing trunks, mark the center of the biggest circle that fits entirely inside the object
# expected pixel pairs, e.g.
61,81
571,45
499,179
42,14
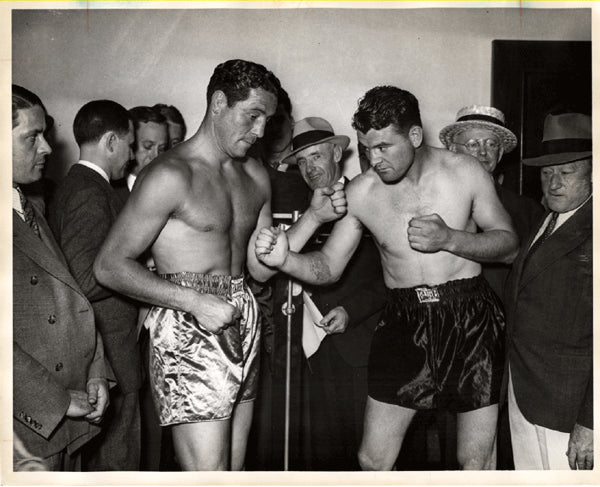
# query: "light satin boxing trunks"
196,375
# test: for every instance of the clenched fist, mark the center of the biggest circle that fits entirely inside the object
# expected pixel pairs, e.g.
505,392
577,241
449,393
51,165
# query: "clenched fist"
428,233
272,246
329,203
214,313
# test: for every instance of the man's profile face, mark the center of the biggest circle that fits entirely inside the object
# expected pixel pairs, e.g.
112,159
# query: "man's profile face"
566,186
151,139
238,127
30,148
123,153
486,146
318,165
390,153
175,133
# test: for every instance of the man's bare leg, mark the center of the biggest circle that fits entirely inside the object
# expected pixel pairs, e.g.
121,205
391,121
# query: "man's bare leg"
476,438
384,429
202,446
242,420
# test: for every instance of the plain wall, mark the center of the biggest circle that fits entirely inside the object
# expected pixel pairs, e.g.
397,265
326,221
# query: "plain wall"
325,58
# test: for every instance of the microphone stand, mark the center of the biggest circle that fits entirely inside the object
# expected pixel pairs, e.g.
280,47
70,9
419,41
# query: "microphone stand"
288,309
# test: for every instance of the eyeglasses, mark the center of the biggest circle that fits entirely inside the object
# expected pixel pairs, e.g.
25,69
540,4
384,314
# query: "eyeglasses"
474,144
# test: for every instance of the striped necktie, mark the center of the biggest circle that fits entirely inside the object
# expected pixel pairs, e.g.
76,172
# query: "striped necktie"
28,213
544,236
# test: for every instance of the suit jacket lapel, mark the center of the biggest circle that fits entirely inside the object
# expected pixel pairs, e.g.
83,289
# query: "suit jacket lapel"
568,236
45,251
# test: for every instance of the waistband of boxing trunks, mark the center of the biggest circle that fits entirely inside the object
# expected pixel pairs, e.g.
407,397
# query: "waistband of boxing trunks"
434,294
208,283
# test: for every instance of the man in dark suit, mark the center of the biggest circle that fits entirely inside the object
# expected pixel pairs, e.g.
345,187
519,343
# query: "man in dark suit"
336,375
549,310
82,211
60,388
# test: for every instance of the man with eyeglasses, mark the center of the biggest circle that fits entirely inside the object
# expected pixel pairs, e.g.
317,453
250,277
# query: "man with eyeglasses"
480,131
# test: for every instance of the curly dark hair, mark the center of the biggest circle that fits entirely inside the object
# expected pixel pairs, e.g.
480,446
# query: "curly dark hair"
385,105
237,77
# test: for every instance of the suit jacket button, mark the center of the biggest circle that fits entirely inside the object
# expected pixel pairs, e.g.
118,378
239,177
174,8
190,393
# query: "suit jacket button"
34,280
52,319
59,366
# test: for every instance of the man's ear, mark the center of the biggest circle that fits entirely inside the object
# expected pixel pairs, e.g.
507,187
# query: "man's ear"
415,134
218,101
337,153
109,141
452,147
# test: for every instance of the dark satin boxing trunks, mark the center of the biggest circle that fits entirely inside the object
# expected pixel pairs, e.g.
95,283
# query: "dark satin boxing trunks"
439,347
194,374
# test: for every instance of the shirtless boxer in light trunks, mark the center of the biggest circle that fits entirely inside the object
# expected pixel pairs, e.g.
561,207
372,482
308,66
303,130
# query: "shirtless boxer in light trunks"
198,208
438,344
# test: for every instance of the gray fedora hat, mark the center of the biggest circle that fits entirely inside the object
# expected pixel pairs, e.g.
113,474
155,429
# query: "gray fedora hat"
311,131
567,138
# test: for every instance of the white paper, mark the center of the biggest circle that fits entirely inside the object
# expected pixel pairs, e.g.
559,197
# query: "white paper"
312,335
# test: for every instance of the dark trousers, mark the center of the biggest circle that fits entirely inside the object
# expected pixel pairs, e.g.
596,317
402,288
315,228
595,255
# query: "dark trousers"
337,395
117,447
157,452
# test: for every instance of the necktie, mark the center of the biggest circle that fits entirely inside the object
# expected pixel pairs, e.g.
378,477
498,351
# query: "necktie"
28,214
544,236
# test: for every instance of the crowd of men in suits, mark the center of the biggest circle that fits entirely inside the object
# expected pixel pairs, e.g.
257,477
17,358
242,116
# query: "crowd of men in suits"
137,339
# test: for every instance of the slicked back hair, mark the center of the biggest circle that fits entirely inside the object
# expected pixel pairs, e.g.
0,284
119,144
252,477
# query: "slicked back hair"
144,114
22,99
97,117
237,77
171,114
385,105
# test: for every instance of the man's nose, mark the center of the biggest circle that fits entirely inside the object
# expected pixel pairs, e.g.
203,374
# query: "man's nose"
45,147
259,128
481,148
555,181
374,158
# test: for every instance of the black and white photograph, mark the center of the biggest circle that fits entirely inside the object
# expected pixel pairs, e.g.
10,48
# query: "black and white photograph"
302,240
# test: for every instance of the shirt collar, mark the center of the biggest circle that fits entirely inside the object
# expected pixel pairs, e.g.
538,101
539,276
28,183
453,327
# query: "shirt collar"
16,202
95,167
131,181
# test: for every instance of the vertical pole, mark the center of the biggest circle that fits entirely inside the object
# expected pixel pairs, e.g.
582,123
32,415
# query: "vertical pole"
288,311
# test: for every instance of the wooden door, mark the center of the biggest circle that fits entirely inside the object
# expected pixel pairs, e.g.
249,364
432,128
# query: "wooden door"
529,80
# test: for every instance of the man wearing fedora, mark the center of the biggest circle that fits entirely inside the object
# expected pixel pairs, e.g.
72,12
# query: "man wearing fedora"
336,375
480,131
438,343
549,310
